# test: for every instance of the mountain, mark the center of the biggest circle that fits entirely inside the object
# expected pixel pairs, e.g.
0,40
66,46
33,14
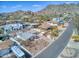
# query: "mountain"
47,11
15,15
59,9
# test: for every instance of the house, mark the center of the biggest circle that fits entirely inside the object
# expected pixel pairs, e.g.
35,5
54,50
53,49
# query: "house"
58,20
35,25
12,27
45,25
17,51
26,35
28,25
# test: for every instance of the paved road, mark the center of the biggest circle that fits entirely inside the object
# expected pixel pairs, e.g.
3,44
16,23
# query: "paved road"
57,47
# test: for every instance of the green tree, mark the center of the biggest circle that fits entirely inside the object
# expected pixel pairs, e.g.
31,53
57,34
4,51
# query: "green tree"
76,23
1,31
54,32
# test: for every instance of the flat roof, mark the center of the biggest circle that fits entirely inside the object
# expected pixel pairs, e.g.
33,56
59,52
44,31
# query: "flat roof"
25,35
45,25
17,51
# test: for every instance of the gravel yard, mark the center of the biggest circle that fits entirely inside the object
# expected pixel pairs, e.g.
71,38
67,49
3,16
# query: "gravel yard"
34,46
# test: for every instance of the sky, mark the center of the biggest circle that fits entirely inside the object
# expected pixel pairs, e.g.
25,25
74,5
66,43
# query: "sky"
11,6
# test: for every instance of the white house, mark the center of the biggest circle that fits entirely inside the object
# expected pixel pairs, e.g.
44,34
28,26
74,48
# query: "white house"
11,27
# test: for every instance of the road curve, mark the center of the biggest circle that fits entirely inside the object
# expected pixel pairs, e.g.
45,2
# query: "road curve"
57,47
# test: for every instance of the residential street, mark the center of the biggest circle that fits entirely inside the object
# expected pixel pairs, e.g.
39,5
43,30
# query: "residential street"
56,47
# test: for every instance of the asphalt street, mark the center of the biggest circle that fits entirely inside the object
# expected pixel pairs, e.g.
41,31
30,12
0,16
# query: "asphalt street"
57,47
